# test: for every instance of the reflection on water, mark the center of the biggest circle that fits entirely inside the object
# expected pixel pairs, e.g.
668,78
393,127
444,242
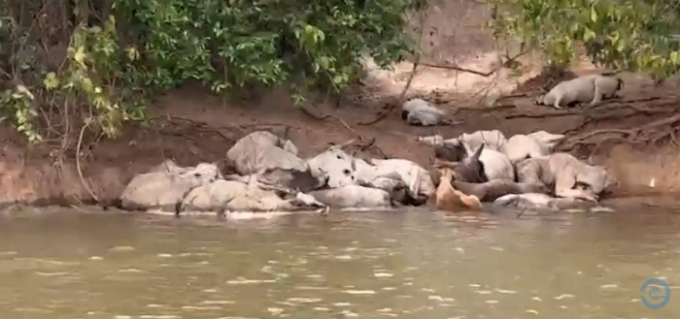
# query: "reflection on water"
65,264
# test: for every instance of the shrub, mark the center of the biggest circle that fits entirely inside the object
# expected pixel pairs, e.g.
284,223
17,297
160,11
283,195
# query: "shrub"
635,35
121,51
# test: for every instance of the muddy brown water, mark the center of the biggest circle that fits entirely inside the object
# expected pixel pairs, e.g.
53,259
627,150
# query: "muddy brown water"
59,263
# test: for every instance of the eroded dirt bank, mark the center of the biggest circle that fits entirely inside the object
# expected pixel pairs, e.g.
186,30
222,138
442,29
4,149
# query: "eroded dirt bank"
191,126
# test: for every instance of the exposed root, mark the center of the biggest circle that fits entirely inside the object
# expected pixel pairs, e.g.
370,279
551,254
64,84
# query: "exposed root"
78,168
629,103
457,68
612,105
634,110
514,96
645,134
362,146
379,117
349,128
311,114
371,146
219,130
542,115
365,144
201,126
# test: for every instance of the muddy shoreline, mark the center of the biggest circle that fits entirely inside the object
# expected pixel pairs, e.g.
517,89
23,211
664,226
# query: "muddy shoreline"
191,127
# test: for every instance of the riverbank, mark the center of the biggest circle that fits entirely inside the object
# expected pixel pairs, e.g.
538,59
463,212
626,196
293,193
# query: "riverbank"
191,126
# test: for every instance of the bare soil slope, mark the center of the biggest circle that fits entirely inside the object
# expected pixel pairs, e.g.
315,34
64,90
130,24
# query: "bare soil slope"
191,126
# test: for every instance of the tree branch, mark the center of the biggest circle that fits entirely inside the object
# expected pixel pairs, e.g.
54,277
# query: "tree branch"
457,68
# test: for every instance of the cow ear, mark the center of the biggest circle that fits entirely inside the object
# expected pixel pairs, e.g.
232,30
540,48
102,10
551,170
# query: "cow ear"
478,152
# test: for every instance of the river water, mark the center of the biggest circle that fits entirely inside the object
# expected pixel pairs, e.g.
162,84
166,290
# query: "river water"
58,263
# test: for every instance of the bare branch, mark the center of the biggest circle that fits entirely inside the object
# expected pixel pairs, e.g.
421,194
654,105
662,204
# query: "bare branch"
457,68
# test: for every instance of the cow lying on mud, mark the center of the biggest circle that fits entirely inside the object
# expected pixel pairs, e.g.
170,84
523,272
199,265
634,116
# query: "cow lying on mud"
520,172
273,177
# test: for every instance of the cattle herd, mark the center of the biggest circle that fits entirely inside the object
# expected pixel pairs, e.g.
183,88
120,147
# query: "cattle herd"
470,170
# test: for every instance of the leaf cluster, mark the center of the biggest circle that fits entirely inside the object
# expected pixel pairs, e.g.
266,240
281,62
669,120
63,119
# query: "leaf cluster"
632,35
234,43
140,47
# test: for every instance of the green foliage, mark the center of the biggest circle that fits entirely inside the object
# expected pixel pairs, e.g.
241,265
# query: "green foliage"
228,44
20,105
632,35
146,46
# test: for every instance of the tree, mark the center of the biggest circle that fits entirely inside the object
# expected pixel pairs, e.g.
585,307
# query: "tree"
121,51
630,35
